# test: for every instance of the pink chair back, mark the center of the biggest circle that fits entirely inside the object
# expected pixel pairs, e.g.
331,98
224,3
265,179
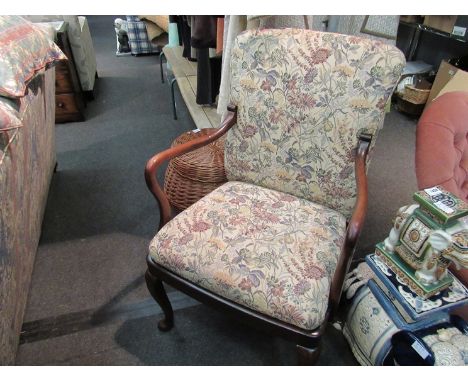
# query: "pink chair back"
442,144
442,149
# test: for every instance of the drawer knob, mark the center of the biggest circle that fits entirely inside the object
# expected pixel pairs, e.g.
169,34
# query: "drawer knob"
60,104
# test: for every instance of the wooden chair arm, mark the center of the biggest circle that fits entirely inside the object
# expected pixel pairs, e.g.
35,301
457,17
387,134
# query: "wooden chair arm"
156,161
356,222
360,209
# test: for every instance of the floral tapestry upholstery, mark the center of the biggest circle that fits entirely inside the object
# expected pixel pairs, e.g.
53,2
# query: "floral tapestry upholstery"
9,118
269,251
303,96
27,159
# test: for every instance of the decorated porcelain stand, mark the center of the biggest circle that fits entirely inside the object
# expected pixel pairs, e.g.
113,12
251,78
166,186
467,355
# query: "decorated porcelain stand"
411,288
425,239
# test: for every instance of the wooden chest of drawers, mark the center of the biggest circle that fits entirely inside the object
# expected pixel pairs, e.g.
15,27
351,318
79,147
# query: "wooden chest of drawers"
69,100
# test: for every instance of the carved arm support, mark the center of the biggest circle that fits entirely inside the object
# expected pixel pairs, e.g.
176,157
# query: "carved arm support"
156,161
355,223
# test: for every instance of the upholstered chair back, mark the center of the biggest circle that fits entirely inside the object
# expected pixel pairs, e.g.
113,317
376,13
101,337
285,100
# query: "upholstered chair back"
303,97
442,144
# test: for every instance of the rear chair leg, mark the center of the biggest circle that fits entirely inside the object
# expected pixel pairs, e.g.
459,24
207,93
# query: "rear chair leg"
174,109
161,55
307,356
156,288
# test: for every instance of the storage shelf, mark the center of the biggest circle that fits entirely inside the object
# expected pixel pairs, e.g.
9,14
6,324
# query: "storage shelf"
426,28
185,72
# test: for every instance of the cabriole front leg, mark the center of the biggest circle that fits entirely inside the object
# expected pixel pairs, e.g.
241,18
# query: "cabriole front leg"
156,288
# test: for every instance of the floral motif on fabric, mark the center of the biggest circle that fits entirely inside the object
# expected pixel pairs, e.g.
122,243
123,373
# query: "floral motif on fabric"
9,118
267,250
303,97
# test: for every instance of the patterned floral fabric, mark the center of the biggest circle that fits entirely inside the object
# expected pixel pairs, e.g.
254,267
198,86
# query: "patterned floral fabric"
9,118
302,97
267,250
27,159
24,50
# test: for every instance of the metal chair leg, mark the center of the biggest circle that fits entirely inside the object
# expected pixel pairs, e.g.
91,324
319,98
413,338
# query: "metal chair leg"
173,81
161,55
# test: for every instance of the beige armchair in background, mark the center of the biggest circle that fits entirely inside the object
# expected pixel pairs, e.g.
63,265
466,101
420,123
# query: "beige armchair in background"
81,46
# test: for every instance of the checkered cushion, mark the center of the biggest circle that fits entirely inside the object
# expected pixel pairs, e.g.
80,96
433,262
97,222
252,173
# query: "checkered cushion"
138,37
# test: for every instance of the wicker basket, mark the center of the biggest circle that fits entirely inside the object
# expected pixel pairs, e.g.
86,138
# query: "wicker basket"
191,176
415,95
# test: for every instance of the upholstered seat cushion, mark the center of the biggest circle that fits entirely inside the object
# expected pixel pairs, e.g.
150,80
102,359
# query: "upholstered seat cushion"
269,251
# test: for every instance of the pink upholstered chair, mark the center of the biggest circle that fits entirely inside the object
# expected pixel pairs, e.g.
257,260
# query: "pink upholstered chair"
442,148
442,144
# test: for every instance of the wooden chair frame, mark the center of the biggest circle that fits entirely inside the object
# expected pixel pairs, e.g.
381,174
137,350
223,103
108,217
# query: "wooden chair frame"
308,342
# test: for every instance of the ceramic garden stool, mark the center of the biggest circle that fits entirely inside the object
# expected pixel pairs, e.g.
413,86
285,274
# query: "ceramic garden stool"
385,308
191,176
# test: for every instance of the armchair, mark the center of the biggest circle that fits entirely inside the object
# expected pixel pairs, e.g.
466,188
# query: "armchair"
441,144
273,244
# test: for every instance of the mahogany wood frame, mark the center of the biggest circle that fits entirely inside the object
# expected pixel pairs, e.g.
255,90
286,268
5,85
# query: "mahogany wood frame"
308,342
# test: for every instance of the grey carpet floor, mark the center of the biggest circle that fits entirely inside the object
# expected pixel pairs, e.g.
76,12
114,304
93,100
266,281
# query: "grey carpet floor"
88,304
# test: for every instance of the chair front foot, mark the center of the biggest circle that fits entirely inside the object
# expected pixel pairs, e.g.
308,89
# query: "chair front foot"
156,288
307,356
165,325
